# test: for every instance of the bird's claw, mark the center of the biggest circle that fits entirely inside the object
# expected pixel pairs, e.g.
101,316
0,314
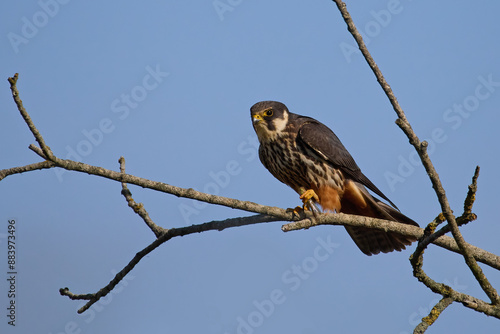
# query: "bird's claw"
309,198
308,195
297,211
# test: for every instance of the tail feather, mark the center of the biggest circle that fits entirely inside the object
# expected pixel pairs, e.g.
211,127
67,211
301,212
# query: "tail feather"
372,241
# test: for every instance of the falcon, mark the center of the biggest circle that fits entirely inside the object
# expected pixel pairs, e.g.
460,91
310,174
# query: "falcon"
307,156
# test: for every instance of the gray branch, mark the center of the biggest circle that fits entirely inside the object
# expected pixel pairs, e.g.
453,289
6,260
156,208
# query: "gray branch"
421,147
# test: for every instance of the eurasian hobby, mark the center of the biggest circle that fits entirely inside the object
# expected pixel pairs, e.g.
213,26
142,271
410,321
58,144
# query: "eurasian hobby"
307,156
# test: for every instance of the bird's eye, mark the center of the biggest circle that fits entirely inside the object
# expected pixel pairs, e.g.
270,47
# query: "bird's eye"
268,113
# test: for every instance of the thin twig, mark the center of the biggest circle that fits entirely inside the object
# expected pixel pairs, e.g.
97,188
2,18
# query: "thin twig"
431,237
139,207
28,168
471,302
15,94
433,315
464,247
466,252
169,234
417,261
471,194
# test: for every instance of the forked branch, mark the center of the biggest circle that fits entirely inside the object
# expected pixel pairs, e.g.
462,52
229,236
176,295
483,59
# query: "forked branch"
421,148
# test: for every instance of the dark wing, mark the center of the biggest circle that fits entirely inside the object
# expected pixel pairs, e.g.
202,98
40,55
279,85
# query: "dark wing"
323,142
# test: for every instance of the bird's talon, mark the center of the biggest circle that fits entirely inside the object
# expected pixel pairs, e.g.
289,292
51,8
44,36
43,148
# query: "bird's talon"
298,210
308,195
308,198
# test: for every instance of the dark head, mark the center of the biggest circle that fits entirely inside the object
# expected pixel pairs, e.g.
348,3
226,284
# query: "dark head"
269,119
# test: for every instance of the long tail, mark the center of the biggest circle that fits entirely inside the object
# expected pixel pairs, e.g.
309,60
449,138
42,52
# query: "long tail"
371,241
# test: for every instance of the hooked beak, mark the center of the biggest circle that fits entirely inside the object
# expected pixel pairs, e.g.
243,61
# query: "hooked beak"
257,118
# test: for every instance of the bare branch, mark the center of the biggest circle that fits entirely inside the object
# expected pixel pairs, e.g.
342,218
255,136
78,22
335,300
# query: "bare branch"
283,215
139,207
416,260
402,121
15,94
433,315
421,148
389,226
447,292
28,168
38,151
471,194
278,213
166,188
466,251
169,234
432,236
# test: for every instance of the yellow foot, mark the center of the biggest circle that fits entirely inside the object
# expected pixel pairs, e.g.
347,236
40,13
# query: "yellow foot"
307,196
298,210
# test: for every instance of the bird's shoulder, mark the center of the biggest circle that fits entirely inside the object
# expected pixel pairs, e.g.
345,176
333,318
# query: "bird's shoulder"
323,141
296,121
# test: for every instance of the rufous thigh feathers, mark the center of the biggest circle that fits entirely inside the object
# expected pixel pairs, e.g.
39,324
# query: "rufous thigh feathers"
356,200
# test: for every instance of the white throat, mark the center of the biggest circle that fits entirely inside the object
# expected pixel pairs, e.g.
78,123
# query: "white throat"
265,134
280,124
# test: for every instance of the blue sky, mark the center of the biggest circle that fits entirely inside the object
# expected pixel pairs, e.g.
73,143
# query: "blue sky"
168,85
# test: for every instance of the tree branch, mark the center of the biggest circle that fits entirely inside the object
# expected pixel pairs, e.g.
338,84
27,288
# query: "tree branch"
390,226
139,207
421,148
28,168
417,260
433,315
278,213
15,94
216,225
